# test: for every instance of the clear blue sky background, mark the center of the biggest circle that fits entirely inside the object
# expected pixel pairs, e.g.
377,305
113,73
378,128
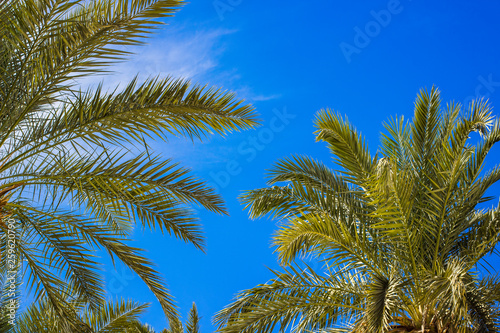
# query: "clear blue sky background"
296,57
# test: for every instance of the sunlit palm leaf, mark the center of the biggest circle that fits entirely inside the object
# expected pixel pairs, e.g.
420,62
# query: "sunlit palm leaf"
75,167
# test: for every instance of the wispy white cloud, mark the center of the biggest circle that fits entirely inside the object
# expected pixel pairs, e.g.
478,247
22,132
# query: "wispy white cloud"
176,53
181,53
190,54
249,94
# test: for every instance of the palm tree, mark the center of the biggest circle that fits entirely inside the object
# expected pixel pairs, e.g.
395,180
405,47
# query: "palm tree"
76,173
115,316
405,234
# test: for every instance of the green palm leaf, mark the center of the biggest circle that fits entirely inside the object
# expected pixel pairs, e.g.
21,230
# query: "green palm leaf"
76,171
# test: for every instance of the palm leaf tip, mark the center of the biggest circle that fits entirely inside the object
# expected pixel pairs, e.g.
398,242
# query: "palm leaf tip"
193,323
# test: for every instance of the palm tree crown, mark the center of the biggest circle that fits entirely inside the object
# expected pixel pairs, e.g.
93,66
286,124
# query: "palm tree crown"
405,234
70,176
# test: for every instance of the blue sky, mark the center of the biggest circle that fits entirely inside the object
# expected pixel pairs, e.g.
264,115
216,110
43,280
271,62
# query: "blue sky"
365,59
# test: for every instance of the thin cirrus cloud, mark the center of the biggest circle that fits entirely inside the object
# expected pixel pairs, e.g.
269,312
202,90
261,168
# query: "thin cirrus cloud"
188,54
179,53
175,54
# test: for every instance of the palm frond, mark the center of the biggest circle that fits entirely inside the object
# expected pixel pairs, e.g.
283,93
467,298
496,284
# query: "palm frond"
299,299
193,323
348,147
